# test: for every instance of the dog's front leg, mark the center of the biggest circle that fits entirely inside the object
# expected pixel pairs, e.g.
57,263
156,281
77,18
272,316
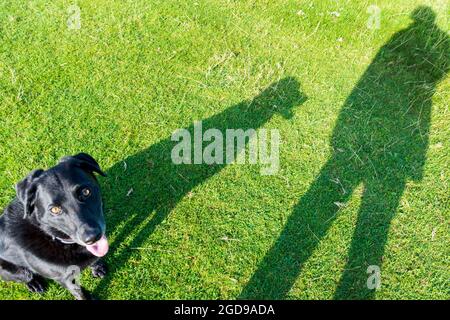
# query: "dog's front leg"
75,289
70,279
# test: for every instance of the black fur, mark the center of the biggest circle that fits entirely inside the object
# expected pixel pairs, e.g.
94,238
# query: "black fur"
37,244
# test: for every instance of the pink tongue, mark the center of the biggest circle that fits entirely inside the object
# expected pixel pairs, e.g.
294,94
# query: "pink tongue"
100,248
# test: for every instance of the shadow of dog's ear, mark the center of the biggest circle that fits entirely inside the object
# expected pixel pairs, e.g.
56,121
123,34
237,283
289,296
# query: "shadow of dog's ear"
85,162
281,96
26,191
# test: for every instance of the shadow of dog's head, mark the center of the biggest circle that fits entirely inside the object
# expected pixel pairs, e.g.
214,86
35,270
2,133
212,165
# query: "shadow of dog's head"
65,202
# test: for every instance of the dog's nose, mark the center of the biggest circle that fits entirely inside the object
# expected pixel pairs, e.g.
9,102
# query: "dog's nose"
91,236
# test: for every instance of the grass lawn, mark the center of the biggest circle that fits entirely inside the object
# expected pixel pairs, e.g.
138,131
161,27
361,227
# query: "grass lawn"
363,115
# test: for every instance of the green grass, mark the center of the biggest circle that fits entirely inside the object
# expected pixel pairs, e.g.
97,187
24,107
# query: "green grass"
364,177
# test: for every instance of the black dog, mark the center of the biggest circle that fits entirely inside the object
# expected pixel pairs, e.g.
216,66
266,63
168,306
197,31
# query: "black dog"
55,227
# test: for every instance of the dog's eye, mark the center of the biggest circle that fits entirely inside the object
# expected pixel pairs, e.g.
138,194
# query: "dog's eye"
56,210
86,192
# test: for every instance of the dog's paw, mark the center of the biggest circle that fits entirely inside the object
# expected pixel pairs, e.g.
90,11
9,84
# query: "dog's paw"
99,269
36,285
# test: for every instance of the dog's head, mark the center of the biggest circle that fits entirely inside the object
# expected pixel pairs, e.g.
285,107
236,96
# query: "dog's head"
66,202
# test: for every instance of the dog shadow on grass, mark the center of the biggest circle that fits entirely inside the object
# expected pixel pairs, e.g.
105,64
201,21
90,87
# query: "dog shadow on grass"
380,142
158,184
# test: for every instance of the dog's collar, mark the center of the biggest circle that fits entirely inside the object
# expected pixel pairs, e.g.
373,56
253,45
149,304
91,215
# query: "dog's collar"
65,241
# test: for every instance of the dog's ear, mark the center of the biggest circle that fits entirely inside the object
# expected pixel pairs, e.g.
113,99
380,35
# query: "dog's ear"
85,162
26,191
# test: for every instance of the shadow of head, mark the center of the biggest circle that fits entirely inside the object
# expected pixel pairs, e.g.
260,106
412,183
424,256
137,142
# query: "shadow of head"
281,96
423,15
427,46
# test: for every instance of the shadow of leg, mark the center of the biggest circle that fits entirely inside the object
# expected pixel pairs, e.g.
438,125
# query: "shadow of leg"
378,207
307,225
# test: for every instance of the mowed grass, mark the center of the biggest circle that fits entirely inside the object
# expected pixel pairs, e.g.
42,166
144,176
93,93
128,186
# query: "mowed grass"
368,138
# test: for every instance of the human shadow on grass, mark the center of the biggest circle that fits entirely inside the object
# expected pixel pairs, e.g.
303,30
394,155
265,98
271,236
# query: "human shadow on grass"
380,142
158,184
